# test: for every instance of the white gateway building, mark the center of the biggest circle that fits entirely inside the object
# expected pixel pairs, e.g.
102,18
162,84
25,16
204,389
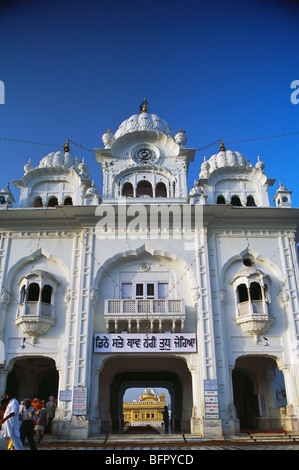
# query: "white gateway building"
147,284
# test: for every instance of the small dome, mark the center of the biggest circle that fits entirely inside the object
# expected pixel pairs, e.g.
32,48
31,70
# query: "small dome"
28,167
260,165
181,138
92,189
222,159
62,159
205,168
108,139
144,122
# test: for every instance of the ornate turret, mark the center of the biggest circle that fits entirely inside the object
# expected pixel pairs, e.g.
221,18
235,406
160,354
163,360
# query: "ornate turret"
6,198
143,159
282,197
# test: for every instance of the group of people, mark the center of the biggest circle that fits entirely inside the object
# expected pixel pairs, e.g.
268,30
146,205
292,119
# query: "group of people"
27,419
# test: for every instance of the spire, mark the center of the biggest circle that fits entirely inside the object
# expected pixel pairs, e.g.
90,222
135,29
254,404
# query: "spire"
67,147
143,107
222,148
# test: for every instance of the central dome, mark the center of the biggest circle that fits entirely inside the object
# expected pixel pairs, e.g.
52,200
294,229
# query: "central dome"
144,122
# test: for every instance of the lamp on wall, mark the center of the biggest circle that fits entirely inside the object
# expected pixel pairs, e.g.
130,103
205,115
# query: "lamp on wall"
23,345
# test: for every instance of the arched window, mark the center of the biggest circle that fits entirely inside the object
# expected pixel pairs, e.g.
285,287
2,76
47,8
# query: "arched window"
128,190
144,188
53,202
68,201
242,293
47,294
161,190
255,291
235,201
250,201
33,292
38,202
220,199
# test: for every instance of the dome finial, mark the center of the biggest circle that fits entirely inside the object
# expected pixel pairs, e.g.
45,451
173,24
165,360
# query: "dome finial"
143,106
222,148
67,147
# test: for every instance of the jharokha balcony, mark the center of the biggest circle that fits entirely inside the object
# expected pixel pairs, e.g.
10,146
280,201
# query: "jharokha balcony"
144,315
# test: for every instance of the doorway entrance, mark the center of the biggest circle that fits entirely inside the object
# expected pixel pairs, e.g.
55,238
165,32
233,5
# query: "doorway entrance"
122,372
244,399
259,394
33,377
162,379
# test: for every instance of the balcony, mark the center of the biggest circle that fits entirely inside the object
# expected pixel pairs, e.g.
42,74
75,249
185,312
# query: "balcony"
144,315
35,318
254,317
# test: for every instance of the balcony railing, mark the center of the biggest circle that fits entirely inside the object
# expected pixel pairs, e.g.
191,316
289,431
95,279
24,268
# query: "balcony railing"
144,314
141,306
35,308
253,306
35,318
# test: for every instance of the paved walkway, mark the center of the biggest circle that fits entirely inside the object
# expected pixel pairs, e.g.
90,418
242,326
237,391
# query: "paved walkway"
171,443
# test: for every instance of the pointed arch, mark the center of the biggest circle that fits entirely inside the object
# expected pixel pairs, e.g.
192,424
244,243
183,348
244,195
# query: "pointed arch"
33,257
258,257
138,252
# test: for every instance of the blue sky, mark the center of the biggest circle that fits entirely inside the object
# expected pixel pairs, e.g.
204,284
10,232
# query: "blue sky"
216,69
134,394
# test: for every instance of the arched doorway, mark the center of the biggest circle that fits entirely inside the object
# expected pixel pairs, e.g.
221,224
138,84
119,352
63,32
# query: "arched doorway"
121,372
259,393
33,377
153,379
244,399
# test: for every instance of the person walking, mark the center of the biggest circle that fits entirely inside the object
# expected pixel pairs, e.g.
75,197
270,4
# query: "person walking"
3,440
10,429
41,422
28,415
166,419
51,408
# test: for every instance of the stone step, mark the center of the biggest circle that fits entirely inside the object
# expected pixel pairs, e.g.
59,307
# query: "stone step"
173,439
275,436
145,438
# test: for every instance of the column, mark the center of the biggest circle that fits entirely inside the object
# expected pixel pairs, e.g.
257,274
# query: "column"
3,380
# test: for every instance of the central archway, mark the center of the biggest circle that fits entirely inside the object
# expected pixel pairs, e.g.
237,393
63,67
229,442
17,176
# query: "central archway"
120,372
164,379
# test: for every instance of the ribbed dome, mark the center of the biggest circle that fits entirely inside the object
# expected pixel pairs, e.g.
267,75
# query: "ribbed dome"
224,158
144,122
60,158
